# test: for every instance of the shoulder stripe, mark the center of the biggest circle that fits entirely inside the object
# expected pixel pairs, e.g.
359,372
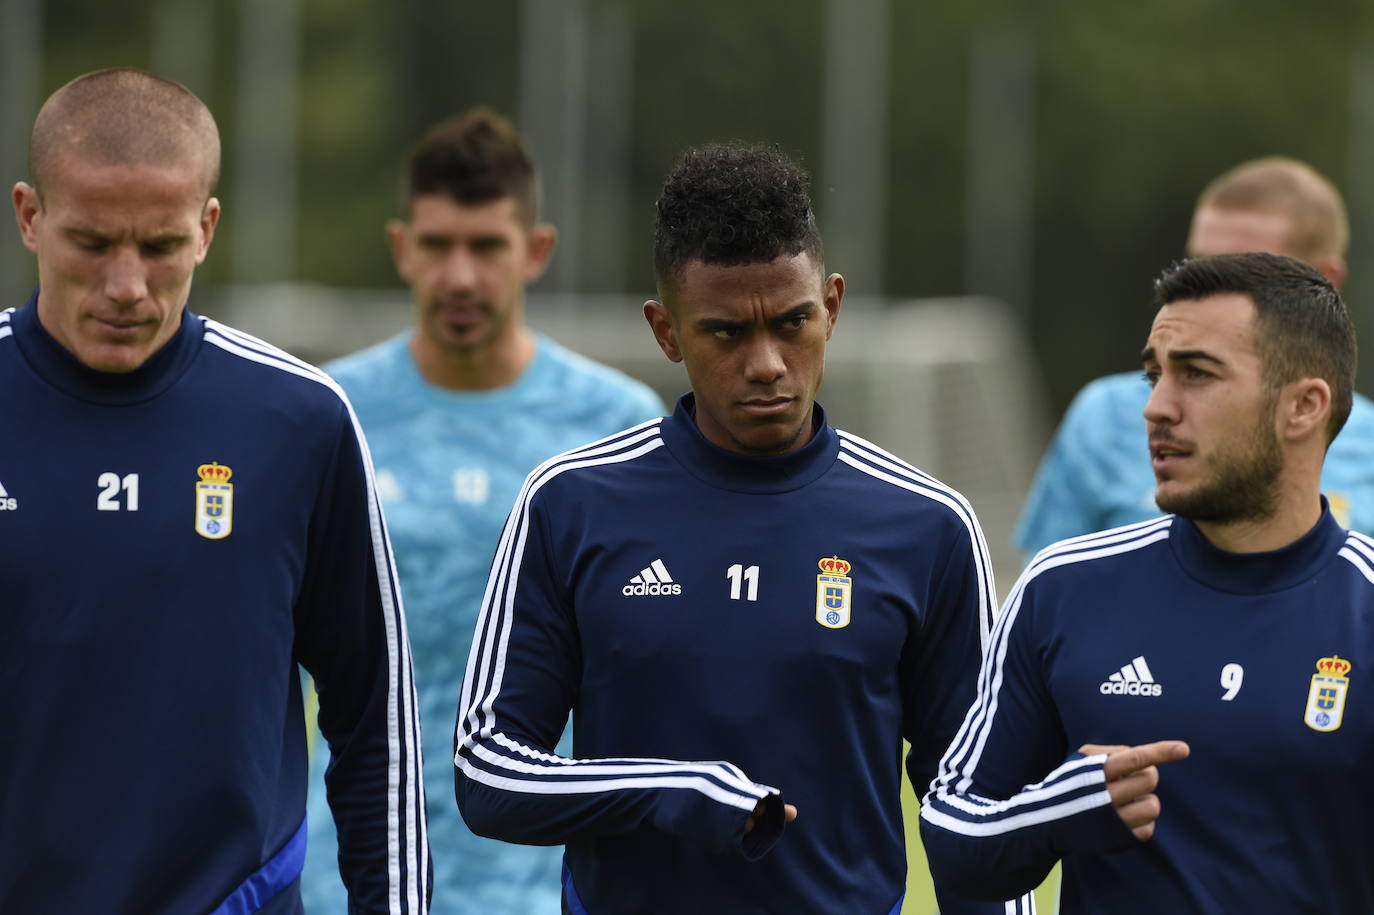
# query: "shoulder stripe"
1360,562
964,753
1361,542
5,329
879,464
407,829
248,341
1100,538
488,755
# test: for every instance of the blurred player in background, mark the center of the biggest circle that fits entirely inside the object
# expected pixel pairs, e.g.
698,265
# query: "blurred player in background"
738,603
1096,473
187,514
1235,632
457,410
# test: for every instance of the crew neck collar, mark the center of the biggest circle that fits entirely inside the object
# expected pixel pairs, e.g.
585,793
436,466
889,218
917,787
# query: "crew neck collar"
531,376
731,470
1256,573
55,364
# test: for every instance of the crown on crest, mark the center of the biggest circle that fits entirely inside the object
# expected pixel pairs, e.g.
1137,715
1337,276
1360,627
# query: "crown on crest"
1334,666
214,472
834,566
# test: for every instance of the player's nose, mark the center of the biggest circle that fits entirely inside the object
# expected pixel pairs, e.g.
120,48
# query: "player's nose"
126,277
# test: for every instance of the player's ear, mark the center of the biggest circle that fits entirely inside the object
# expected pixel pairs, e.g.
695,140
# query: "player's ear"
1331,266
209,218
1304,408
540,242
27,211
832,295
661,323
399,243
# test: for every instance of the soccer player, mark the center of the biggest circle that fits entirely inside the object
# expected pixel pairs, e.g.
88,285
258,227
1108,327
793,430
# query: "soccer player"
187,514
457,410
738,603
1234,632
1096,474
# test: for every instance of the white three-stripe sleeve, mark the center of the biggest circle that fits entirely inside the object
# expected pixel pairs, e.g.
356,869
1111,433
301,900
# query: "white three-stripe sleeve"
993,823
351,636
520,683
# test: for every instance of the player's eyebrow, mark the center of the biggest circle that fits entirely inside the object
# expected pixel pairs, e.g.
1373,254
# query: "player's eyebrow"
94,235
1181,355
796,311
714,324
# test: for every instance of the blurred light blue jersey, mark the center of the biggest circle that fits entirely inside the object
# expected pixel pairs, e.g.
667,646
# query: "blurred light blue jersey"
449,466
1096,473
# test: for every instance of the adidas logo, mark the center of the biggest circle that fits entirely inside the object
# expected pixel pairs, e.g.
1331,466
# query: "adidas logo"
652,579
1134,679
7,503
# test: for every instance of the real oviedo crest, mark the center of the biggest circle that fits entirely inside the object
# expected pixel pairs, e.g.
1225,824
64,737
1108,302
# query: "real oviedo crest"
833,592
1326,698
214,501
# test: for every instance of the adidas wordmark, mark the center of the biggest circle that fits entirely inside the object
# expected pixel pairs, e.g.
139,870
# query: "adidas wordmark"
1134,679
653,580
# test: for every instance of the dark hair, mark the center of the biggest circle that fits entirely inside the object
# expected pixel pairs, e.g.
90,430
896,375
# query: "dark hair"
733,205
474,157
123,116
1302,328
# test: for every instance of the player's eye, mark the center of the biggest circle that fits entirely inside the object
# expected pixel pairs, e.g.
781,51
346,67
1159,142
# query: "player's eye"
1151,377
726,333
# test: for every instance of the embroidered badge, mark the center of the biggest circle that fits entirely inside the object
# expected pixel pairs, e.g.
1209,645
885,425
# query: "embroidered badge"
1326,698
214,501
833,591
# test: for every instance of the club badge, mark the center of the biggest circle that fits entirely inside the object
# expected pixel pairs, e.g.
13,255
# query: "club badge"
214,501
1326,698
833,590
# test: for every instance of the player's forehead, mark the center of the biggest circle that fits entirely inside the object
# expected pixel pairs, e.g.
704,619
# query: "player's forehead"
700,290
1221,230
107,200
1222,326
444,214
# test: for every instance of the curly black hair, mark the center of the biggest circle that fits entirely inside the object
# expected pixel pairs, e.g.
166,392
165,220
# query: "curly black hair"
731,205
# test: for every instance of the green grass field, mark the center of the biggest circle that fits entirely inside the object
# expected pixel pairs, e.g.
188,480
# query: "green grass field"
920,897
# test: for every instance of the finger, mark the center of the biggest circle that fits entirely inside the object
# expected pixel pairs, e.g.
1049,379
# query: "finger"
1137,784
1124,762
1140,812
789,813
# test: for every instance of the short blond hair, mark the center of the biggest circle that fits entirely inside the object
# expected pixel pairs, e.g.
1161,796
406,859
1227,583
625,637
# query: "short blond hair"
1293,189
124,116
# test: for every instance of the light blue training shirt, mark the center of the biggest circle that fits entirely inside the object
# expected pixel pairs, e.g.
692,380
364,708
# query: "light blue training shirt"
1096,473
449,466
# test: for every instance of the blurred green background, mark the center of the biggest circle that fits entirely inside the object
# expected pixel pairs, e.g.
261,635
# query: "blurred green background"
1044,155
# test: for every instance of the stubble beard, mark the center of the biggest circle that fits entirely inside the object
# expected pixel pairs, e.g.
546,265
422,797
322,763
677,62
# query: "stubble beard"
1244,485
